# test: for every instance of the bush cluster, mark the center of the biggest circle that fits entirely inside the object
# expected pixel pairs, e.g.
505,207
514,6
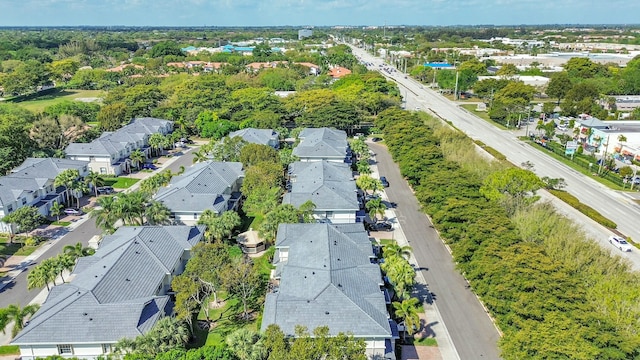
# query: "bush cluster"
585,209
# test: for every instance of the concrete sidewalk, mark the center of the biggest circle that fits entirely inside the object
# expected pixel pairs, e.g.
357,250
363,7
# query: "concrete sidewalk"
434,322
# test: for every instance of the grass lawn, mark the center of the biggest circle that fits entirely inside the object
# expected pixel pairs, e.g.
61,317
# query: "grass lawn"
38,104
9,350
484,115
17,249
425,342
61,223
384,242
121,182
251,221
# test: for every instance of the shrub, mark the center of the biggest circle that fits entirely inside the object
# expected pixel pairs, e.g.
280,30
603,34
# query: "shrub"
585,209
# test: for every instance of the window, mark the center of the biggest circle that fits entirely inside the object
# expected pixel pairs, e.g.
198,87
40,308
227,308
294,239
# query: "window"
24,201
9,208
65,349
106,348
103,170
329,214
195,216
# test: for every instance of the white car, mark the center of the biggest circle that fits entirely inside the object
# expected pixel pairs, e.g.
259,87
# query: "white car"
620,243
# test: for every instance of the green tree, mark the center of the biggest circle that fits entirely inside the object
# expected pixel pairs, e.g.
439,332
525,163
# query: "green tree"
375,207
265,174
95,180
77,251
56,210
559,85
394,249
367,183
246,344
25,219
242,280
41,275
157,213
105,213
19,316
252,154
507,70
158,143
512,183
228,149
282,214
111,117
219,227
407,311
137,158
262,199
165,48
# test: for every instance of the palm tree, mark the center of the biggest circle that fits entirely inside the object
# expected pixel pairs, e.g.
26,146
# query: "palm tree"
105,215
95,180
394,249
17,315
63,262
157,213
366,183
56,210
137,158
407,310
77,251
200,155
67,178
158,142
78,189
221,226
38,277
363,167
246,344
375,207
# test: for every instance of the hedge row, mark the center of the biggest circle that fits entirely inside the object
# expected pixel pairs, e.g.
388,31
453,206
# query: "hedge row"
585,209
539,302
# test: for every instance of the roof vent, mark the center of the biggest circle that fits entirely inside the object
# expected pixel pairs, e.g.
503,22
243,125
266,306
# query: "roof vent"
127,279
326,313
85,314
338,259
339,285
90,319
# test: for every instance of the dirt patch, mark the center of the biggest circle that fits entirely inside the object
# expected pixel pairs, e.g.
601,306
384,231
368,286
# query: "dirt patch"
217,305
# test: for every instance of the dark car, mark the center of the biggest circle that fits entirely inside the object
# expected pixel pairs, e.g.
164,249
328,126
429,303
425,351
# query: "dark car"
383,180
376,139
378,226
105,190
149,166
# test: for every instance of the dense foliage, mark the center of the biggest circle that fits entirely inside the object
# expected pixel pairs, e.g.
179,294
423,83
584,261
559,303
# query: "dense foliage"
540,289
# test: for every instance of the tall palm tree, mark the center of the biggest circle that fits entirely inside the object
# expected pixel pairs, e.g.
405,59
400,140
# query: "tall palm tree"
67,178
221,226
375,207
157,213
38,277
131,207
56,210
63,262
200,155
105,214
158,142
78,189
77,251
394,249
407,310
95,180
17,315
137,158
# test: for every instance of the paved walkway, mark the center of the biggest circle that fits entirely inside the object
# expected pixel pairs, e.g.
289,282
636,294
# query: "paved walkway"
433,325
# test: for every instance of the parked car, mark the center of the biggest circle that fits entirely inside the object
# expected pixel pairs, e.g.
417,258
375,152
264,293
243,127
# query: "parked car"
149,166
383,180
105,190
378,226
620,243
376,139
72,211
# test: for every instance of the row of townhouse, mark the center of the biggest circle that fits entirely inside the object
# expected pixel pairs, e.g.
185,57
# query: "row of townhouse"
33,184
119,292
109,154
208,66
323,175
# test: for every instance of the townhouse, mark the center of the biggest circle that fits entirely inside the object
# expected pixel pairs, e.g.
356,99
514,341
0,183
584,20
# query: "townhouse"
108,154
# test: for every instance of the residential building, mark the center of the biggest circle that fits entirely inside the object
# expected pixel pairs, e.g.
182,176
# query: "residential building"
120,68
337,72
318,144
109,153
304,33
32,184
313,68
623,102
258,136
327,275
120,292
204,186
331,188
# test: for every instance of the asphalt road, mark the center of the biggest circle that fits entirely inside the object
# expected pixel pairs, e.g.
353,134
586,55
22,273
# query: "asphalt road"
615,205
472,331
17,293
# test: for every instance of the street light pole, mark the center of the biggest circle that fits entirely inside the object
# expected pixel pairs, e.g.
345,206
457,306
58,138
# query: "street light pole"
455,92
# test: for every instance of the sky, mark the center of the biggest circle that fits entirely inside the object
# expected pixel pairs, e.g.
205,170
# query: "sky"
315,12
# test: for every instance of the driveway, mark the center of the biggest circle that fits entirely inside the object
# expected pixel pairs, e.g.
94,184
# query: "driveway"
471,330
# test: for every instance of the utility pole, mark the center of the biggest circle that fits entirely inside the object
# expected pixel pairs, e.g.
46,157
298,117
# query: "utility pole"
604,157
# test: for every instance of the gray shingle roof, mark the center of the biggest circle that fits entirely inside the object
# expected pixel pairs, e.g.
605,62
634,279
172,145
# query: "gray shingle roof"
114,293
329,280
14,187
328,185
111,143
46,167
205,185
256,136
322,143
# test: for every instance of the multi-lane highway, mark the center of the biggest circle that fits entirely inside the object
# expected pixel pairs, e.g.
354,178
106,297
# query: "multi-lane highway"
615,205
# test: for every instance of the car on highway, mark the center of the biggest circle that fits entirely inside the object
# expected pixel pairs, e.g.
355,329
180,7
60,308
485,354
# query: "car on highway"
72,211
105,190
378,226
384,181
620,243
